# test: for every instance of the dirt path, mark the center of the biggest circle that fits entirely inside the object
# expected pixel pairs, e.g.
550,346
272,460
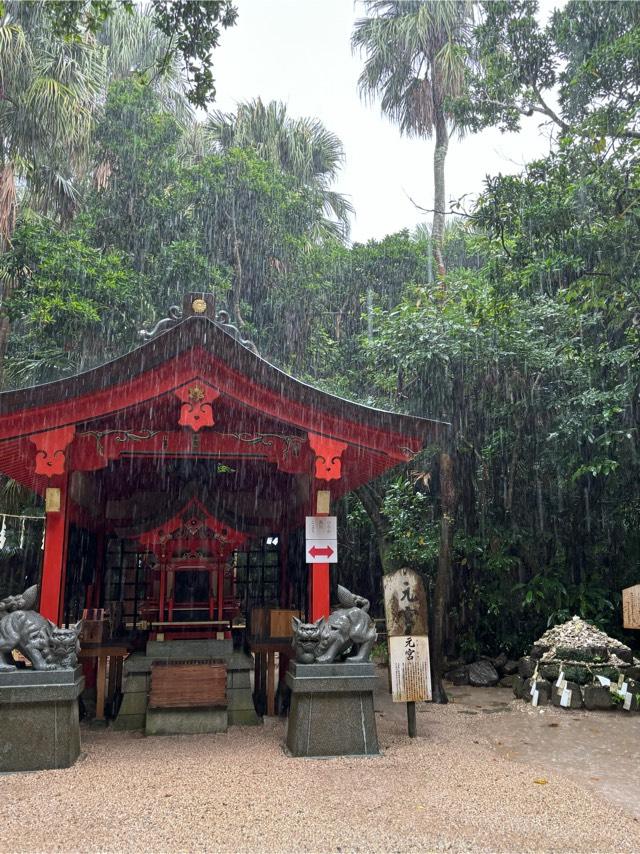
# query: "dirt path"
600,750
456,787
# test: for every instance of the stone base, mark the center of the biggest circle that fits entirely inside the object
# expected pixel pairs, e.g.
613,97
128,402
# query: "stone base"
576,696
133,711
39,721
331,711
185,721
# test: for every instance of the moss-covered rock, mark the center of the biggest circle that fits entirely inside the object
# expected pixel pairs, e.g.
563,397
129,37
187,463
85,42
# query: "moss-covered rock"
541,686
595,654
606,670
597,697
550,671
575,695
577,673
526,667
538,650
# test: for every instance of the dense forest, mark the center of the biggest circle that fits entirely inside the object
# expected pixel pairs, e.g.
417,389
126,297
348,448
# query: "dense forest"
516,319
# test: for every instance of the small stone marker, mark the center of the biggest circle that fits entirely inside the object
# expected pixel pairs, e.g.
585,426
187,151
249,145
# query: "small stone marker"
631,607
405,605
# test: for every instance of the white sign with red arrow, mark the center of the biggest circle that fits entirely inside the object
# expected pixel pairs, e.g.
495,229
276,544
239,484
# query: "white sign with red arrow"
321,539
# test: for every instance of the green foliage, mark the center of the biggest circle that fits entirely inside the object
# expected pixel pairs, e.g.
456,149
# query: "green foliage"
414,538
72,306
589,50
302,148
193,31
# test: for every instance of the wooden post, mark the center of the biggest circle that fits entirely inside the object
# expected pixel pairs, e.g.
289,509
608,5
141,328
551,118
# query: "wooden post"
411,720
100,686
221,591
163,592
271,675
55,556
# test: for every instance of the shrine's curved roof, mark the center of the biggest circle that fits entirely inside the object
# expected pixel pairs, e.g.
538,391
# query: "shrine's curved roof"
203,334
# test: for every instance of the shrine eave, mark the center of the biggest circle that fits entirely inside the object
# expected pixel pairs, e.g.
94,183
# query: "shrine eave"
54,404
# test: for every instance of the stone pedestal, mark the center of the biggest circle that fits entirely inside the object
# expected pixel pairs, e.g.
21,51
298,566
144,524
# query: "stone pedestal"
134,714
331,711
39,723
185,721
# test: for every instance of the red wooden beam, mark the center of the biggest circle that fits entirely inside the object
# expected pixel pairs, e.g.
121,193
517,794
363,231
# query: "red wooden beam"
54,560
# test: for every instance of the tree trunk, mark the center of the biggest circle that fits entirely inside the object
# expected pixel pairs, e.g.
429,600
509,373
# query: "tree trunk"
448,500
439,201
371,499
237,267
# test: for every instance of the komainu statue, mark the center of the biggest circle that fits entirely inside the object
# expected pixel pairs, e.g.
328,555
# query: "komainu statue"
45,645
350,627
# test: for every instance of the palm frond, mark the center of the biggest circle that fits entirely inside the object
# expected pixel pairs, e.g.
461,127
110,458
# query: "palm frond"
301,147
414,57
134,45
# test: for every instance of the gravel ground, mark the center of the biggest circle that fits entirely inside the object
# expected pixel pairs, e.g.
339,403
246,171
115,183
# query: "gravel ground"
446,790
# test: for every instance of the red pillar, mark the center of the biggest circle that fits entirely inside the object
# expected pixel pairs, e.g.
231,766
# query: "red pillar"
327,467
320,592
55,558
320,604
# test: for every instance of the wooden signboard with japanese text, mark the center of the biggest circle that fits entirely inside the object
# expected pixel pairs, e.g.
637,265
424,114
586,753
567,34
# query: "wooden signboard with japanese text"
405,605
631,607
410,668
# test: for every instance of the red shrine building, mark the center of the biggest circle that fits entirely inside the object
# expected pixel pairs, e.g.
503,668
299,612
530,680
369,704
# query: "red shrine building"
177,479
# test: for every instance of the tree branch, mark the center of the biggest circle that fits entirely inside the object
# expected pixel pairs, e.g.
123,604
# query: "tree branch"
434,210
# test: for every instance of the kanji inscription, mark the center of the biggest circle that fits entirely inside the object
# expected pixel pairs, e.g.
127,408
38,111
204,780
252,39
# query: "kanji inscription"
410,668
405,603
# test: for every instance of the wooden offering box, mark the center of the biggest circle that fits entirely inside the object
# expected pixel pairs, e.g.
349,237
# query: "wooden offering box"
188,685
280,622
272,623
95,626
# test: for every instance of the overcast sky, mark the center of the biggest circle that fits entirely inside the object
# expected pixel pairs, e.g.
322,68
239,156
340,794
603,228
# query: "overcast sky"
299,52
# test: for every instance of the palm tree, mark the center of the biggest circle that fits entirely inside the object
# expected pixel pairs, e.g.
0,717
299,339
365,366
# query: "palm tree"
415,59
135,46
50,89
301,147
